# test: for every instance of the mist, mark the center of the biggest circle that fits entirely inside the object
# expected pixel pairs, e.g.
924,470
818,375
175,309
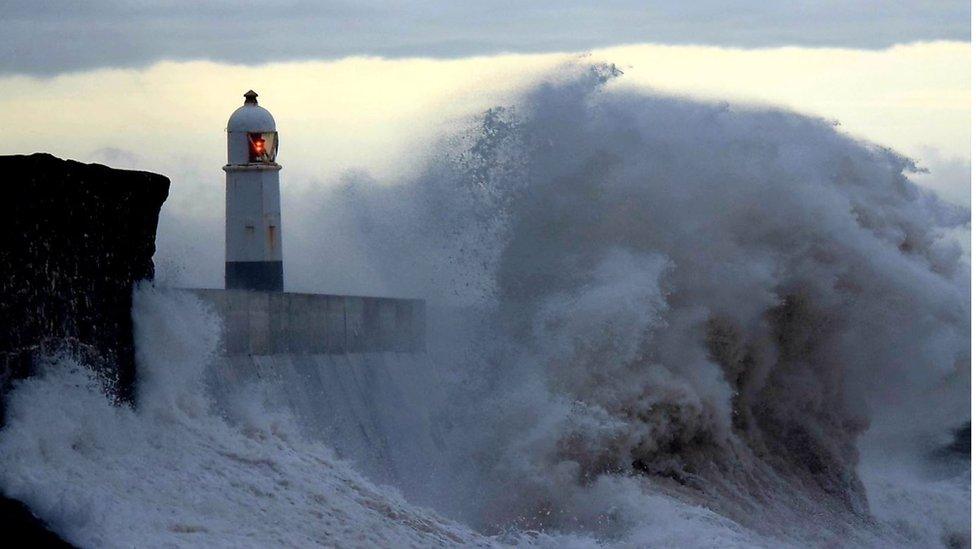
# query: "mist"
634,283
658,319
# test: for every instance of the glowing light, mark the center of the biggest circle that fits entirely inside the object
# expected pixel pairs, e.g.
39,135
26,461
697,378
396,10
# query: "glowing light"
262,147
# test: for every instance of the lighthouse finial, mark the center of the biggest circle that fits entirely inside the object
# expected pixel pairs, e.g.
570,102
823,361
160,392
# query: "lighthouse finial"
251,98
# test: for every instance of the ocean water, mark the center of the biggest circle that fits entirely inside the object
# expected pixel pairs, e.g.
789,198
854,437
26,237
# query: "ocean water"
655,322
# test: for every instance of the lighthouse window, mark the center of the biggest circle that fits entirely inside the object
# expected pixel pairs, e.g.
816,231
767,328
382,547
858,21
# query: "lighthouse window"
263,146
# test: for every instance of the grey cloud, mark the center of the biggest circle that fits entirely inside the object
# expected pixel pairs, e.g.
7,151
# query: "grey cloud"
43,37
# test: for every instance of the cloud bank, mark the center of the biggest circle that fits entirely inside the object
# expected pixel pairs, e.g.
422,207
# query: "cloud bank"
45,37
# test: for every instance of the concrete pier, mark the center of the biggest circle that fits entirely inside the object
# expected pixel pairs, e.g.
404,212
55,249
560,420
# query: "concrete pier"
353,370
272,323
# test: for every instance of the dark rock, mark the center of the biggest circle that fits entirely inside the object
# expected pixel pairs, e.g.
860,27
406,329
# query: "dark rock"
962,440
22,529
74,238
958,450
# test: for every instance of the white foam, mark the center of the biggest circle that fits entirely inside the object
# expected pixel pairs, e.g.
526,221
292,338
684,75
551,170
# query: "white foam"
173,473
658,322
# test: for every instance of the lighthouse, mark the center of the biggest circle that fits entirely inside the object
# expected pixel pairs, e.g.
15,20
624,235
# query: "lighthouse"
253,258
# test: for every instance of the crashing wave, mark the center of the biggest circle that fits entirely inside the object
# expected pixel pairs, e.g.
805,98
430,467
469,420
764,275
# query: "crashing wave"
660,322
707,301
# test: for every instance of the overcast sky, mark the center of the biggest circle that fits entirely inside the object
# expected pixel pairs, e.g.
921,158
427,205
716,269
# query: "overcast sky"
46,37
369,87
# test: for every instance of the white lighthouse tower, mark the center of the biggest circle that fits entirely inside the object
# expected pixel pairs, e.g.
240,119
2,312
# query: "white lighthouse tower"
253,224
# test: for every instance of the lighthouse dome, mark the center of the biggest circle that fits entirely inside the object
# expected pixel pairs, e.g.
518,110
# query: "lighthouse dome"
250,117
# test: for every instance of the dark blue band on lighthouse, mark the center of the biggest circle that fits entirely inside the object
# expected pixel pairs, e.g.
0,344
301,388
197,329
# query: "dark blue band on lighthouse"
254,275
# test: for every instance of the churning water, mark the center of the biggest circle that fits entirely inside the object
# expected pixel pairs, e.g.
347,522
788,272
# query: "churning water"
655,321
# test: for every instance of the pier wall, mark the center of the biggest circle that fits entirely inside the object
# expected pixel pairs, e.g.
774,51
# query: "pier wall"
352,370
269,323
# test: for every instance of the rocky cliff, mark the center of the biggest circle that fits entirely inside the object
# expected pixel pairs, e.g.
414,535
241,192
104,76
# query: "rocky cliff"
74,238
